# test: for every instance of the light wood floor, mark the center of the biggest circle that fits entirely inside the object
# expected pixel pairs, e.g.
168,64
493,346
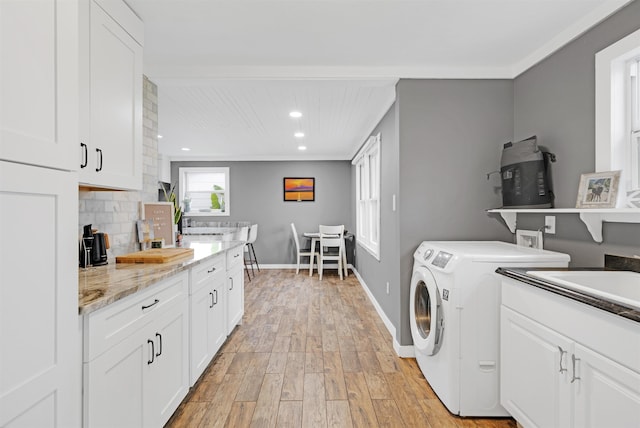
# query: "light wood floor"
313,353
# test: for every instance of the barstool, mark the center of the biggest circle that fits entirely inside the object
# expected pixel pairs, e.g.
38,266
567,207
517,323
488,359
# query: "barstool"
248,248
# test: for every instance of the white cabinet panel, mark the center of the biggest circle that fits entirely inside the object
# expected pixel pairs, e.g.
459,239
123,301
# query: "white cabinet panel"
534,374
208,314
607,394
39,339
235,297
111,117
168,374
150,361
39,82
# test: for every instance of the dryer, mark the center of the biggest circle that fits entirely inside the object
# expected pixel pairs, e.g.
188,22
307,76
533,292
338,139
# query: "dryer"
455,318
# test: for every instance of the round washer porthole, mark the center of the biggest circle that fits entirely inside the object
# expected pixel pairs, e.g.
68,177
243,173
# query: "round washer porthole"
422,309
426,316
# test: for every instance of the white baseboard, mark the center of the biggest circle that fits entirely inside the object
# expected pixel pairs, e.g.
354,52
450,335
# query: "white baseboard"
403,351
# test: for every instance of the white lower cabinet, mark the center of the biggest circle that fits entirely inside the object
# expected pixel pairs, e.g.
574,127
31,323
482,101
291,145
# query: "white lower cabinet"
140,380
573,366
235,287
208,313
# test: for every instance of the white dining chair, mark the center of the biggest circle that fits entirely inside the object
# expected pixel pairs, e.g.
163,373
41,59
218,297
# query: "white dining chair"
331,247
304,252
248,248
242,235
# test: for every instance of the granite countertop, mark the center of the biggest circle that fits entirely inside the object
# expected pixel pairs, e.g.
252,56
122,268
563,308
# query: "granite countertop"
100,286
520,274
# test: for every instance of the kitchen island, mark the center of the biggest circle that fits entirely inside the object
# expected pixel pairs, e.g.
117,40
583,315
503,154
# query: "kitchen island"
151,329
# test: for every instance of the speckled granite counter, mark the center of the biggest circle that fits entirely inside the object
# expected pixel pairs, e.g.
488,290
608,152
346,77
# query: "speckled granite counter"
102,285
520,274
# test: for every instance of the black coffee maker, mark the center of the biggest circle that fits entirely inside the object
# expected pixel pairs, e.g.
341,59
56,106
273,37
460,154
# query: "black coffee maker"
93,247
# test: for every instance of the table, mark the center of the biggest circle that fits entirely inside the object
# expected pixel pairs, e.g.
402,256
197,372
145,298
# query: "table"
315,237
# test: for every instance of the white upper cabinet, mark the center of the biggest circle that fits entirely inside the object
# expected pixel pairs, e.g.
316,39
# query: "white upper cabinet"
111,96
39,82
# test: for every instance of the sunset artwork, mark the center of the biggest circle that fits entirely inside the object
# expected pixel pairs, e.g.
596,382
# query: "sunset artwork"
299,189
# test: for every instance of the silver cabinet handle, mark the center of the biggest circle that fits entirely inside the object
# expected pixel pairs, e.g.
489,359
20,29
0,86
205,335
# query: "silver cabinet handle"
212,301
573,363
562,369
231,283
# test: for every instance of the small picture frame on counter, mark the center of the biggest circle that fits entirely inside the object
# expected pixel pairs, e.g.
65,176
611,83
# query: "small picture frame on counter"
529,238
598,190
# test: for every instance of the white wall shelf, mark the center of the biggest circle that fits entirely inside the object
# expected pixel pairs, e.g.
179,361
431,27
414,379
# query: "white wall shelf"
591,217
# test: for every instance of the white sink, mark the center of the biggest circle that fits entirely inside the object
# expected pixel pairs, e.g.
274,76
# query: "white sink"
618,286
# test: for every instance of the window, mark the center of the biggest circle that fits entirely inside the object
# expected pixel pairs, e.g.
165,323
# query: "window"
367,163
618,112
205,191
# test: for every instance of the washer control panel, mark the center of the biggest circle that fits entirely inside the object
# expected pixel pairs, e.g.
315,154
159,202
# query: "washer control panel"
441,259
428,253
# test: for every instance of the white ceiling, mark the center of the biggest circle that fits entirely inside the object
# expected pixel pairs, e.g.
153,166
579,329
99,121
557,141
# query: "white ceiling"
229,71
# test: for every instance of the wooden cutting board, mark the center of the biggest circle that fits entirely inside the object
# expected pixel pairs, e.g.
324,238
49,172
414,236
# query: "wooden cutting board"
155,255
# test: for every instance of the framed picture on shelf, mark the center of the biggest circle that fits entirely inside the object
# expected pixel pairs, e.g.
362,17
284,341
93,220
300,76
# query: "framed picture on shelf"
299,189
598,190
529,238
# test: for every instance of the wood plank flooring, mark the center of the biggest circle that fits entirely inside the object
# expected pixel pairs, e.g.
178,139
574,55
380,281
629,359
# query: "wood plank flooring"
313,353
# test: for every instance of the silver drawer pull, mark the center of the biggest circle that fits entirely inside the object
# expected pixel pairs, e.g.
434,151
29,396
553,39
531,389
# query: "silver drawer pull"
573,362
562,369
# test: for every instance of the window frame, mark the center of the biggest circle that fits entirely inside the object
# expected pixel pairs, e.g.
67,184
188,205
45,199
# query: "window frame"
184,171
615,142
368,185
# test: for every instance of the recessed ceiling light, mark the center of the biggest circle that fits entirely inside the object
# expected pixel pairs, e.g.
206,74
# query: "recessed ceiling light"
295,114
302,148
299,134
185,149
159,136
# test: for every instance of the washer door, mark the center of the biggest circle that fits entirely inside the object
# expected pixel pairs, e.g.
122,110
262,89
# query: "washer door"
427,321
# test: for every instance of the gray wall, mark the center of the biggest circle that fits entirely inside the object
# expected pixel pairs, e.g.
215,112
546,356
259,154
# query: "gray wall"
376,273
256,196
444,136
555,100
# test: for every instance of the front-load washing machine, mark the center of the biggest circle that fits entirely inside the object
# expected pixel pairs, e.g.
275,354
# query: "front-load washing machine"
455,318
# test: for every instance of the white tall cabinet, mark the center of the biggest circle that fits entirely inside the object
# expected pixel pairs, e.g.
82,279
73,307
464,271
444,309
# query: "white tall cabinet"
40,383
111,95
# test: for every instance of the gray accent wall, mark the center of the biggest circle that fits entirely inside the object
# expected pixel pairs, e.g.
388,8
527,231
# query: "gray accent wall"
439,141
257,196
555,100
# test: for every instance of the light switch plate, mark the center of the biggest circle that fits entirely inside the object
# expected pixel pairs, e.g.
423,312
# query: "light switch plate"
550,224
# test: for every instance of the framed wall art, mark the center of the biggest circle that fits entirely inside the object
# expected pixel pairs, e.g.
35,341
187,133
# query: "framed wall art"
299,189
598,190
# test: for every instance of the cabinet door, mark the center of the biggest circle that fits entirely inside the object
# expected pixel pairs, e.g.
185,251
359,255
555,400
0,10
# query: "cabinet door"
40,367
534,378
607,394
114,384
208,326
113,141
39,82
167,377
235,297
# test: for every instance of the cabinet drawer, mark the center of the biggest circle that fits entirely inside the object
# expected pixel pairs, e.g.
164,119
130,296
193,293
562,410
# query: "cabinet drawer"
108,326
202,274
235,256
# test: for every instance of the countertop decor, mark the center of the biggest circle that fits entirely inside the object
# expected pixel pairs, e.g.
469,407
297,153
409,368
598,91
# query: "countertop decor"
103,285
